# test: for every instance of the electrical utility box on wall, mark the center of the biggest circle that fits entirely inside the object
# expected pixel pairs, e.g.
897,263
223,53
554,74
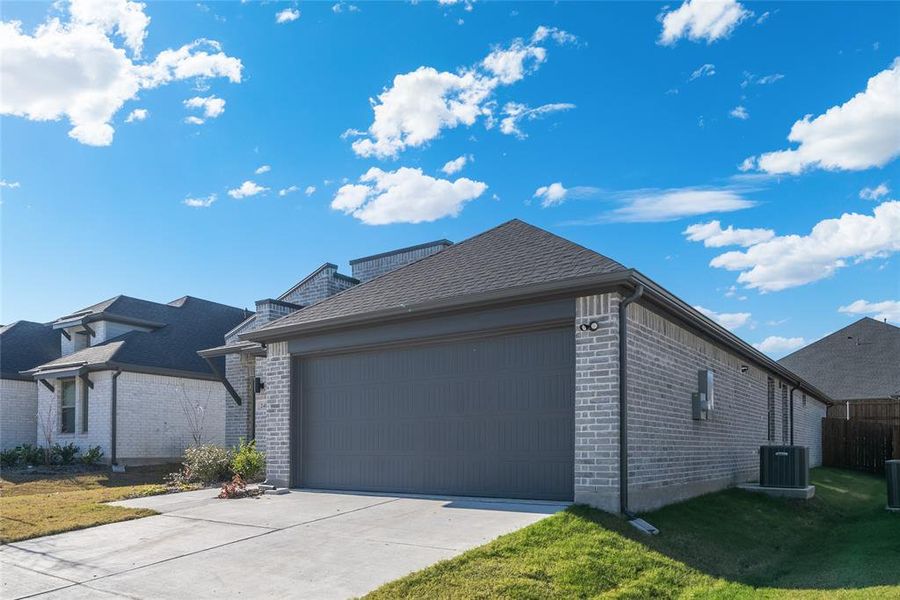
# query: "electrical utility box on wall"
703,400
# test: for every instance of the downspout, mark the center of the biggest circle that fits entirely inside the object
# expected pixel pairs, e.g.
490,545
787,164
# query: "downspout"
112,452
623,399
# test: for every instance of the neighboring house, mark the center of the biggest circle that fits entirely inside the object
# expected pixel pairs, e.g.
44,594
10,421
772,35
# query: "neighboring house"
23,345
498,366
859,362
243,360
130,381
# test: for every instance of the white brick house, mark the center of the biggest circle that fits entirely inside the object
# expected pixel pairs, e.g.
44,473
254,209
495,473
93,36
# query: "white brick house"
518,364
23,344
129,380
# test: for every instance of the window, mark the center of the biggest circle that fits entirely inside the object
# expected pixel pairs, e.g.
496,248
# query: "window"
771,404
85,395
67,406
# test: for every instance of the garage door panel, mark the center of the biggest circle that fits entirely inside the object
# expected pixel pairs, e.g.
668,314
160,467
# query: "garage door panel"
493,417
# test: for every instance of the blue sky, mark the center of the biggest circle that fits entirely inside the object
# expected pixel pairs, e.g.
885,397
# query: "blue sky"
644,115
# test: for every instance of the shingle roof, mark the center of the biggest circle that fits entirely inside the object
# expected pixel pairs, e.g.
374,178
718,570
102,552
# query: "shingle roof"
25,344
188,324
859,361
510,255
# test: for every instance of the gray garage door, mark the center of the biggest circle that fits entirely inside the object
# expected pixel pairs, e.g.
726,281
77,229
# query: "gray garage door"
484,417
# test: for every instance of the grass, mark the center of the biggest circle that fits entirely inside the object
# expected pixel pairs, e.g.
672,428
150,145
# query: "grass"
732,544
44,503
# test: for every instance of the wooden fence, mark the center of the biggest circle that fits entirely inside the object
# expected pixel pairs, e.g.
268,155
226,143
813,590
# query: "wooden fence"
884,411
857,444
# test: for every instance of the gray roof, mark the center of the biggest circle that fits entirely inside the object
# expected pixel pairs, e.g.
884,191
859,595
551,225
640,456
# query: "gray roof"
24,345
511,255
185,326
859,361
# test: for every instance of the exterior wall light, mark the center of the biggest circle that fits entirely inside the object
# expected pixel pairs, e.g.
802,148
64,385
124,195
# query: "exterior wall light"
592,326
744,368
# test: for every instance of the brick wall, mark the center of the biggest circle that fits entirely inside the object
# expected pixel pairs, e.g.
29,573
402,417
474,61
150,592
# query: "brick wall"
596,402
275,406
321,284
18,424
240,370
672,456
152,421
152,426
808,417
99,420
369,268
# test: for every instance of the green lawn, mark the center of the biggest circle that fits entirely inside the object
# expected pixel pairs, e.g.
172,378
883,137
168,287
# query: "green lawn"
36,504
732,544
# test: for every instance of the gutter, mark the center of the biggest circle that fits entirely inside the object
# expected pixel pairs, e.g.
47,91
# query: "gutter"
792,415
623,399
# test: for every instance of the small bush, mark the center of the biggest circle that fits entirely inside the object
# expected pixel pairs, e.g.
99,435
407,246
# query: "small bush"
91,456
64,455
30,455
248,462
9,458
207,464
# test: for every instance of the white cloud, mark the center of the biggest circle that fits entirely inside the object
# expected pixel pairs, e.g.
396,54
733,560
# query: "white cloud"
707,70
211,105
263,169
751,79
701,20
288,190
557,35
729,321
875,193
202,202
404,196
775,344
667,205
248,188
310,190
551,195
739,112
287,15
192,120
9,184
515,113
888,309
86,76
126,19
863,132
138,114
713,236
342,6
456,165
420,104
792,260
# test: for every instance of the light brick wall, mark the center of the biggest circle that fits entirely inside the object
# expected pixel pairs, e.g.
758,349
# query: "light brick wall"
152,423
323,284
596,402
808,426
672,456
99,422
152,426
18,405
274,431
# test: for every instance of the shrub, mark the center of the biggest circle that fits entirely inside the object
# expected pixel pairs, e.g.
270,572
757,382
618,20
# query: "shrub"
64,455
248,462
30,455
207,464
92,455
9,458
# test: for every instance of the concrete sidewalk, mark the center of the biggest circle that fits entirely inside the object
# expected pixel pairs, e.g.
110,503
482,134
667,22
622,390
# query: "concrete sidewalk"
305,544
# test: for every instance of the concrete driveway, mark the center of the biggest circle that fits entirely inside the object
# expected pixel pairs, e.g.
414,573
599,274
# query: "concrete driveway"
305,544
